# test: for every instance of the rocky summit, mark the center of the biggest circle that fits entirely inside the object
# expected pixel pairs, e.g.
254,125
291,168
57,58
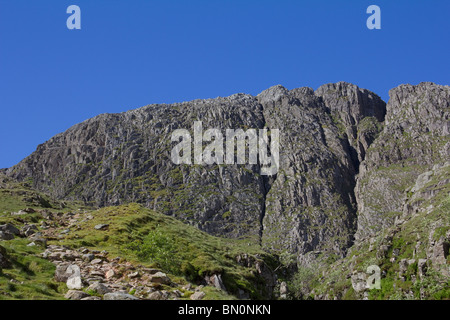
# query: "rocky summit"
359,183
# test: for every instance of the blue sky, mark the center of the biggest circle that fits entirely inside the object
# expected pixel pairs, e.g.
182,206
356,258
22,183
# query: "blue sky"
132,53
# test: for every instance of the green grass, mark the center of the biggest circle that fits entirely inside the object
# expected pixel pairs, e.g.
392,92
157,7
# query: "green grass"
195,252
30,277
191,255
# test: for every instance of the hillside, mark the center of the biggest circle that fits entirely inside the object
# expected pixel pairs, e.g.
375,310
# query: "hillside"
40,243
360,183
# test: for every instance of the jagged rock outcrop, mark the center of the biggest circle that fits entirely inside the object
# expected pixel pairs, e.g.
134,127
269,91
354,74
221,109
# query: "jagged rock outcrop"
359,111
119,158
415,137
311,205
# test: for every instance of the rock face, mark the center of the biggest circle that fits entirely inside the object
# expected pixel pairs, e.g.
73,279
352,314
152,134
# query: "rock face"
416,136
346,162
119,158
311,205
359,111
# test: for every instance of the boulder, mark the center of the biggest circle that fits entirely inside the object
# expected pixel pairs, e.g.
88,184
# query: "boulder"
97,261
110,274
216,281
19,213
38,239
422,267
88,257
29,229
92,298
75,295
6,235
101,226
74,282
99,288
60,273
359,281
161,278
10,228
199,295
155,296
119,296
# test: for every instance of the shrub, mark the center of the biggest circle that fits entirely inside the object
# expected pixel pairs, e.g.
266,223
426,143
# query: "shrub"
158,248
302,282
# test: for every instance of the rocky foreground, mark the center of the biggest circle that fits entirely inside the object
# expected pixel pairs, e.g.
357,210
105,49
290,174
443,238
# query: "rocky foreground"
113,279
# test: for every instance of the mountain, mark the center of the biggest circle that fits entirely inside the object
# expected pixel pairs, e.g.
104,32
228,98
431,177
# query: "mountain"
351,168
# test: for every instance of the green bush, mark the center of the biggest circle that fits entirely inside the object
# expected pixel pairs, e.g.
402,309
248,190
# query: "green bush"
302,282
157,248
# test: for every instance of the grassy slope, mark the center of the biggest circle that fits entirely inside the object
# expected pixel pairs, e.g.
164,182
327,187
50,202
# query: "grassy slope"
199,253
29,277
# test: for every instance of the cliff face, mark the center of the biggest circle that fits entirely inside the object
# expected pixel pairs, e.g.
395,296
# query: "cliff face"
416,136
119,158
343,170
311,205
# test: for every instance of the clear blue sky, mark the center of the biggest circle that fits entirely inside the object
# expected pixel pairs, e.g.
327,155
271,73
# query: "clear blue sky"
137,52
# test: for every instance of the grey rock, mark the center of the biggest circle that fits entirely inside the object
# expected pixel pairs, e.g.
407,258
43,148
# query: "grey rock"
157,295
6,235
9,228
199,295
422,268
74,282
359,281
75,295
29,229
160,277
316,177
101,226
97,261
360,111
19,213
60,273
92,298
416,123
100,288
119,296
88,257
38,239
218,283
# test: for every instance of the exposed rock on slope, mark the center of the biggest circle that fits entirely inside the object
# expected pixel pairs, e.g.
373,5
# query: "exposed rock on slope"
415,137
412,254
118,158
360,112
311,204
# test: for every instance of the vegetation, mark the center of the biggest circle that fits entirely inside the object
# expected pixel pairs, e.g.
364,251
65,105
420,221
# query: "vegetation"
29,276
137,233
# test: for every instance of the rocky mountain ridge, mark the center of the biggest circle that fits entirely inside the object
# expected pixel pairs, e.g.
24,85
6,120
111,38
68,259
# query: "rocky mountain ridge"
347,160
